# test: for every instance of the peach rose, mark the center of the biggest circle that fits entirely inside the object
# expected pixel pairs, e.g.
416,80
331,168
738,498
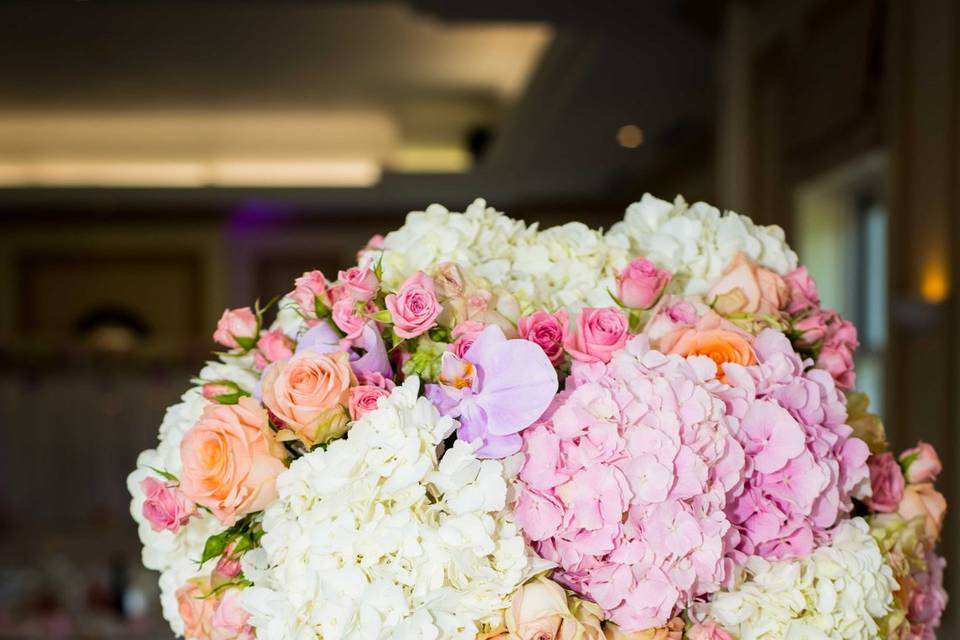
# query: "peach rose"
746,287
923,500
539,609
308,393
228,464
196,609
713,337
673,630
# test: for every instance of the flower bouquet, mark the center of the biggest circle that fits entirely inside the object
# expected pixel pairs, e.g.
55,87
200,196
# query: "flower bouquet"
488,430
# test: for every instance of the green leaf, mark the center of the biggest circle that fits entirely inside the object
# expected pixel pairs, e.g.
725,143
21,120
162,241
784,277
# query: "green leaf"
246,342
381,316
215,545
166,475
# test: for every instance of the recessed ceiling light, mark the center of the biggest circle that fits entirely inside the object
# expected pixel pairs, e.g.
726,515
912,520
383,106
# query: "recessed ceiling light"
630,136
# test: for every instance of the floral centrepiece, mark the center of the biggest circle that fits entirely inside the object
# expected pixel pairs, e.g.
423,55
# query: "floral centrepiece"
487,430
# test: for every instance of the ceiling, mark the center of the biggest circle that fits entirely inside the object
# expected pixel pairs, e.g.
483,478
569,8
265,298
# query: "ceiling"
520,102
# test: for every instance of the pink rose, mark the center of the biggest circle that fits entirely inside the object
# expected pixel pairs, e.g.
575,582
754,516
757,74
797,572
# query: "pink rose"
748,288
641,283
922,500
836,354
414,308
886,482
708,631
228,566
599,333
196,609
363,399
273,345
812,328
230,620
464,335
237,328
921,463
312,293
308,393
359,284
347,319
229,466
803,291
165,506
549,330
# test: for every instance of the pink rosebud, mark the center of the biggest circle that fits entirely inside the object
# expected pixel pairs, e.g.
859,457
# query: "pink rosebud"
311,293
886,483
708,631
549,330
464,334
359,284
230,620
641,283
347,319
599,333
228,566
272,346
165,507
237,328
414,308
363,399
921,463
214,390
375,243
803,291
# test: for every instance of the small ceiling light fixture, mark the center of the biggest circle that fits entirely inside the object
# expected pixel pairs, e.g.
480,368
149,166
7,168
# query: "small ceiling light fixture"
630,136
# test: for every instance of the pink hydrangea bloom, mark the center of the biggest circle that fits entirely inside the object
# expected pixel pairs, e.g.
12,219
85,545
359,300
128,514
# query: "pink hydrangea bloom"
803,465
625,482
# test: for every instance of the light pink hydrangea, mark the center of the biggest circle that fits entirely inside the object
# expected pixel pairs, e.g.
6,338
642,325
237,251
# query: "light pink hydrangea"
803,465
625,483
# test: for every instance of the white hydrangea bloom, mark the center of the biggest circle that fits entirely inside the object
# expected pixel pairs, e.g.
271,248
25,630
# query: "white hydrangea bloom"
838,592
374,538
566,266
698,241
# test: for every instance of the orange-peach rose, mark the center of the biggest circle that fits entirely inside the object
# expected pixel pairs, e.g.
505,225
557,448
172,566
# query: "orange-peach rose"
713,337
923,500
308,392
196,609
746,287
229,465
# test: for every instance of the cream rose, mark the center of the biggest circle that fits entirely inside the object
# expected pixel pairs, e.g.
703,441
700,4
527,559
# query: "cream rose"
308,393
540,611
228,464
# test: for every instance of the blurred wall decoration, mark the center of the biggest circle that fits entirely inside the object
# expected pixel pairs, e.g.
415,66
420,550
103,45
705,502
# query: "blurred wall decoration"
207,153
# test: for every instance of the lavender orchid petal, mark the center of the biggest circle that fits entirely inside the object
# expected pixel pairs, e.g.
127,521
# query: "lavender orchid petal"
319,339
518,381
375,360
499,446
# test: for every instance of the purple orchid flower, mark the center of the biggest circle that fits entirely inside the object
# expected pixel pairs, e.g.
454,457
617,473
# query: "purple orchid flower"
496,390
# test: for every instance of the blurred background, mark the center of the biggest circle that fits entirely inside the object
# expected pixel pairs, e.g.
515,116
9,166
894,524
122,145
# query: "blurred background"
160,161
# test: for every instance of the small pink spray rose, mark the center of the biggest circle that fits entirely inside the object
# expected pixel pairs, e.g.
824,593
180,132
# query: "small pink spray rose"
237,328
641,283
165,506
414,307
599,333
